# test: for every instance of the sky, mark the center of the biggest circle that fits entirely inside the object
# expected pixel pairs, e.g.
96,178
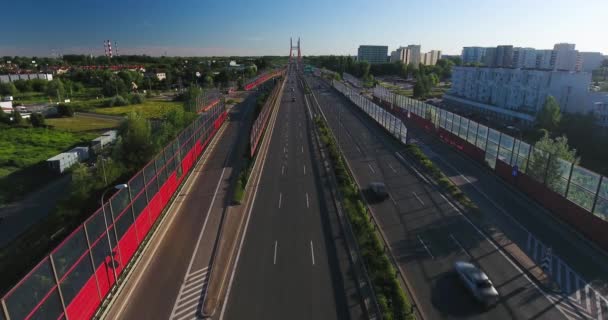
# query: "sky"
263,27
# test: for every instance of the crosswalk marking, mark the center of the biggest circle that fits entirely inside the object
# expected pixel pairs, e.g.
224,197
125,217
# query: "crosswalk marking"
578,298
190,295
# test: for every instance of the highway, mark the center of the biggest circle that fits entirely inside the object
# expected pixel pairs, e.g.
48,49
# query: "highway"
292,264
426,234
171,278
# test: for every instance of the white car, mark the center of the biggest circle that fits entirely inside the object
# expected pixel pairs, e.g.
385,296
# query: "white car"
477,282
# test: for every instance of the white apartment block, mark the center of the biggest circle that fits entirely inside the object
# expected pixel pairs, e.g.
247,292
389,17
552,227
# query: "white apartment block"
407,55
524,58
430,58
518,93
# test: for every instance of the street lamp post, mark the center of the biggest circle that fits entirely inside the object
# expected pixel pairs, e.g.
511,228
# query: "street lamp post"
105,220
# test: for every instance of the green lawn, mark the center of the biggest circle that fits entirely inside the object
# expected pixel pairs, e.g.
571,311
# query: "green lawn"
150,109
22,155
82,123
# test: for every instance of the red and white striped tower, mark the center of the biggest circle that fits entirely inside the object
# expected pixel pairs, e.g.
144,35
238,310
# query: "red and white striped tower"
105,48
110,48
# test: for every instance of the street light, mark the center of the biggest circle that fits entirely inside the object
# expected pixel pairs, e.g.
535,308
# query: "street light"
105,220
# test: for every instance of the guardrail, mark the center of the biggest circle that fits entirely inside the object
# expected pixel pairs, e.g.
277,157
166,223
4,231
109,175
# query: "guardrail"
73,280
575,194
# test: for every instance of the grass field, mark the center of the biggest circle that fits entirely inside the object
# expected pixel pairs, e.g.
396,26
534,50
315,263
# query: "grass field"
22,155
82,123
150,109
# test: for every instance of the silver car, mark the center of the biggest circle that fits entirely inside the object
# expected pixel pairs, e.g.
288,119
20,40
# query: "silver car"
477,282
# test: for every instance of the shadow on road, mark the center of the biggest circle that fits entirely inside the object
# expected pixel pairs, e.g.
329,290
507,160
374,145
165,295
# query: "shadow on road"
450,297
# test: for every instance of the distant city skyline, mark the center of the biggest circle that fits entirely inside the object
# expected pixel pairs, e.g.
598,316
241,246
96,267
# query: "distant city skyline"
241,28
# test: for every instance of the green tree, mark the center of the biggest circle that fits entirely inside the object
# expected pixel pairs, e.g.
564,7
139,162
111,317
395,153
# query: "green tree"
55,88
550,115
39,85
135,146
114,86
37,120
17,118
189,98
208,81
545,165
23,85
65,110
7,89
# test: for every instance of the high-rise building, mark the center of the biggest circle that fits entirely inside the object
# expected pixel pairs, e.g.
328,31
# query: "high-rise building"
407,55
373,54
524,58
490,57
504,57
565,57
430,58
591,61
543,59
473,54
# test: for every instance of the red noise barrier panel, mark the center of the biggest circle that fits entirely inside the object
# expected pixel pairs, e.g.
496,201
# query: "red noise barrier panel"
72,281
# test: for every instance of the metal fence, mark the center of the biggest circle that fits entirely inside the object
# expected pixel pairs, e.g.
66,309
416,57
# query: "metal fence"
72,281
260,122
391,123
581,186
205,101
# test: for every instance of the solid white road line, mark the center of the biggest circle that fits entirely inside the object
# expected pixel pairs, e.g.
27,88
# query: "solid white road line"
370,168
312,253
304,169
282,169
547,296
280,199
307,203
200,235
390,166
415,195
302,149
460,245
425,247
275,252
186,189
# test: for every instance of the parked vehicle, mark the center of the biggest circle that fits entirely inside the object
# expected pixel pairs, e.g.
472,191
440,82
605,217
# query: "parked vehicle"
477,282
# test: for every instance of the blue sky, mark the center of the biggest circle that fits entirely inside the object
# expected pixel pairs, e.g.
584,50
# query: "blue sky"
239,27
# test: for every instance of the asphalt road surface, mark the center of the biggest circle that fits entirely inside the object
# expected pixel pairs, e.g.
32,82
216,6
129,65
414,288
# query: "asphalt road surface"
172,282
290,263
425,232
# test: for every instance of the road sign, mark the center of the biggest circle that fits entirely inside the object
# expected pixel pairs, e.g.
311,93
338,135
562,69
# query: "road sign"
515,170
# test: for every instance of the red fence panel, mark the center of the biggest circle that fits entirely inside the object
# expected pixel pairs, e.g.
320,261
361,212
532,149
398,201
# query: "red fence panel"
87,263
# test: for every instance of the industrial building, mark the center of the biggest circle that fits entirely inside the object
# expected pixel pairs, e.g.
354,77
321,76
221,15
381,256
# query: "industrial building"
65,160
102,141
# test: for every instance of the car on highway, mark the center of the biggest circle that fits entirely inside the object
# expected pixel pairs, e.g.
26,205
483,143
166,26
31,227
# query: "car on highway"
378,190
477,282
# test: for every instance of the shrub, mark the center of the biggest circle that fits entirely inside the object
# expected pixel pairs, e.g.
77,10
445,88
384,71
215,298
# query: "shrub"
37,120
65,110
137,98
116,101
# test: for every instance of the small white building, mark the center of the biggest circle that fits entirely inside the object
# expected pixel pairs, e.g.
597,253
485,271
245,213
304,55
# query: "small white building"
65,160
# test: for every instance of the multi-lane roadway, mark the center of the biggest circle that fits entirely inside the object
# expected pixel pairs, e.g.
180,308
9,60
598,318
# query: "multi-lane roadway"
425,232
292,264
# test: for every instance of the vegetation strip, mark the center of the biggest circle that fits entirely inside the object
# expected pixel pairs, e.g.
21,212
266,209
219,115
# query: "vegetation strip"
442,180
393,302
